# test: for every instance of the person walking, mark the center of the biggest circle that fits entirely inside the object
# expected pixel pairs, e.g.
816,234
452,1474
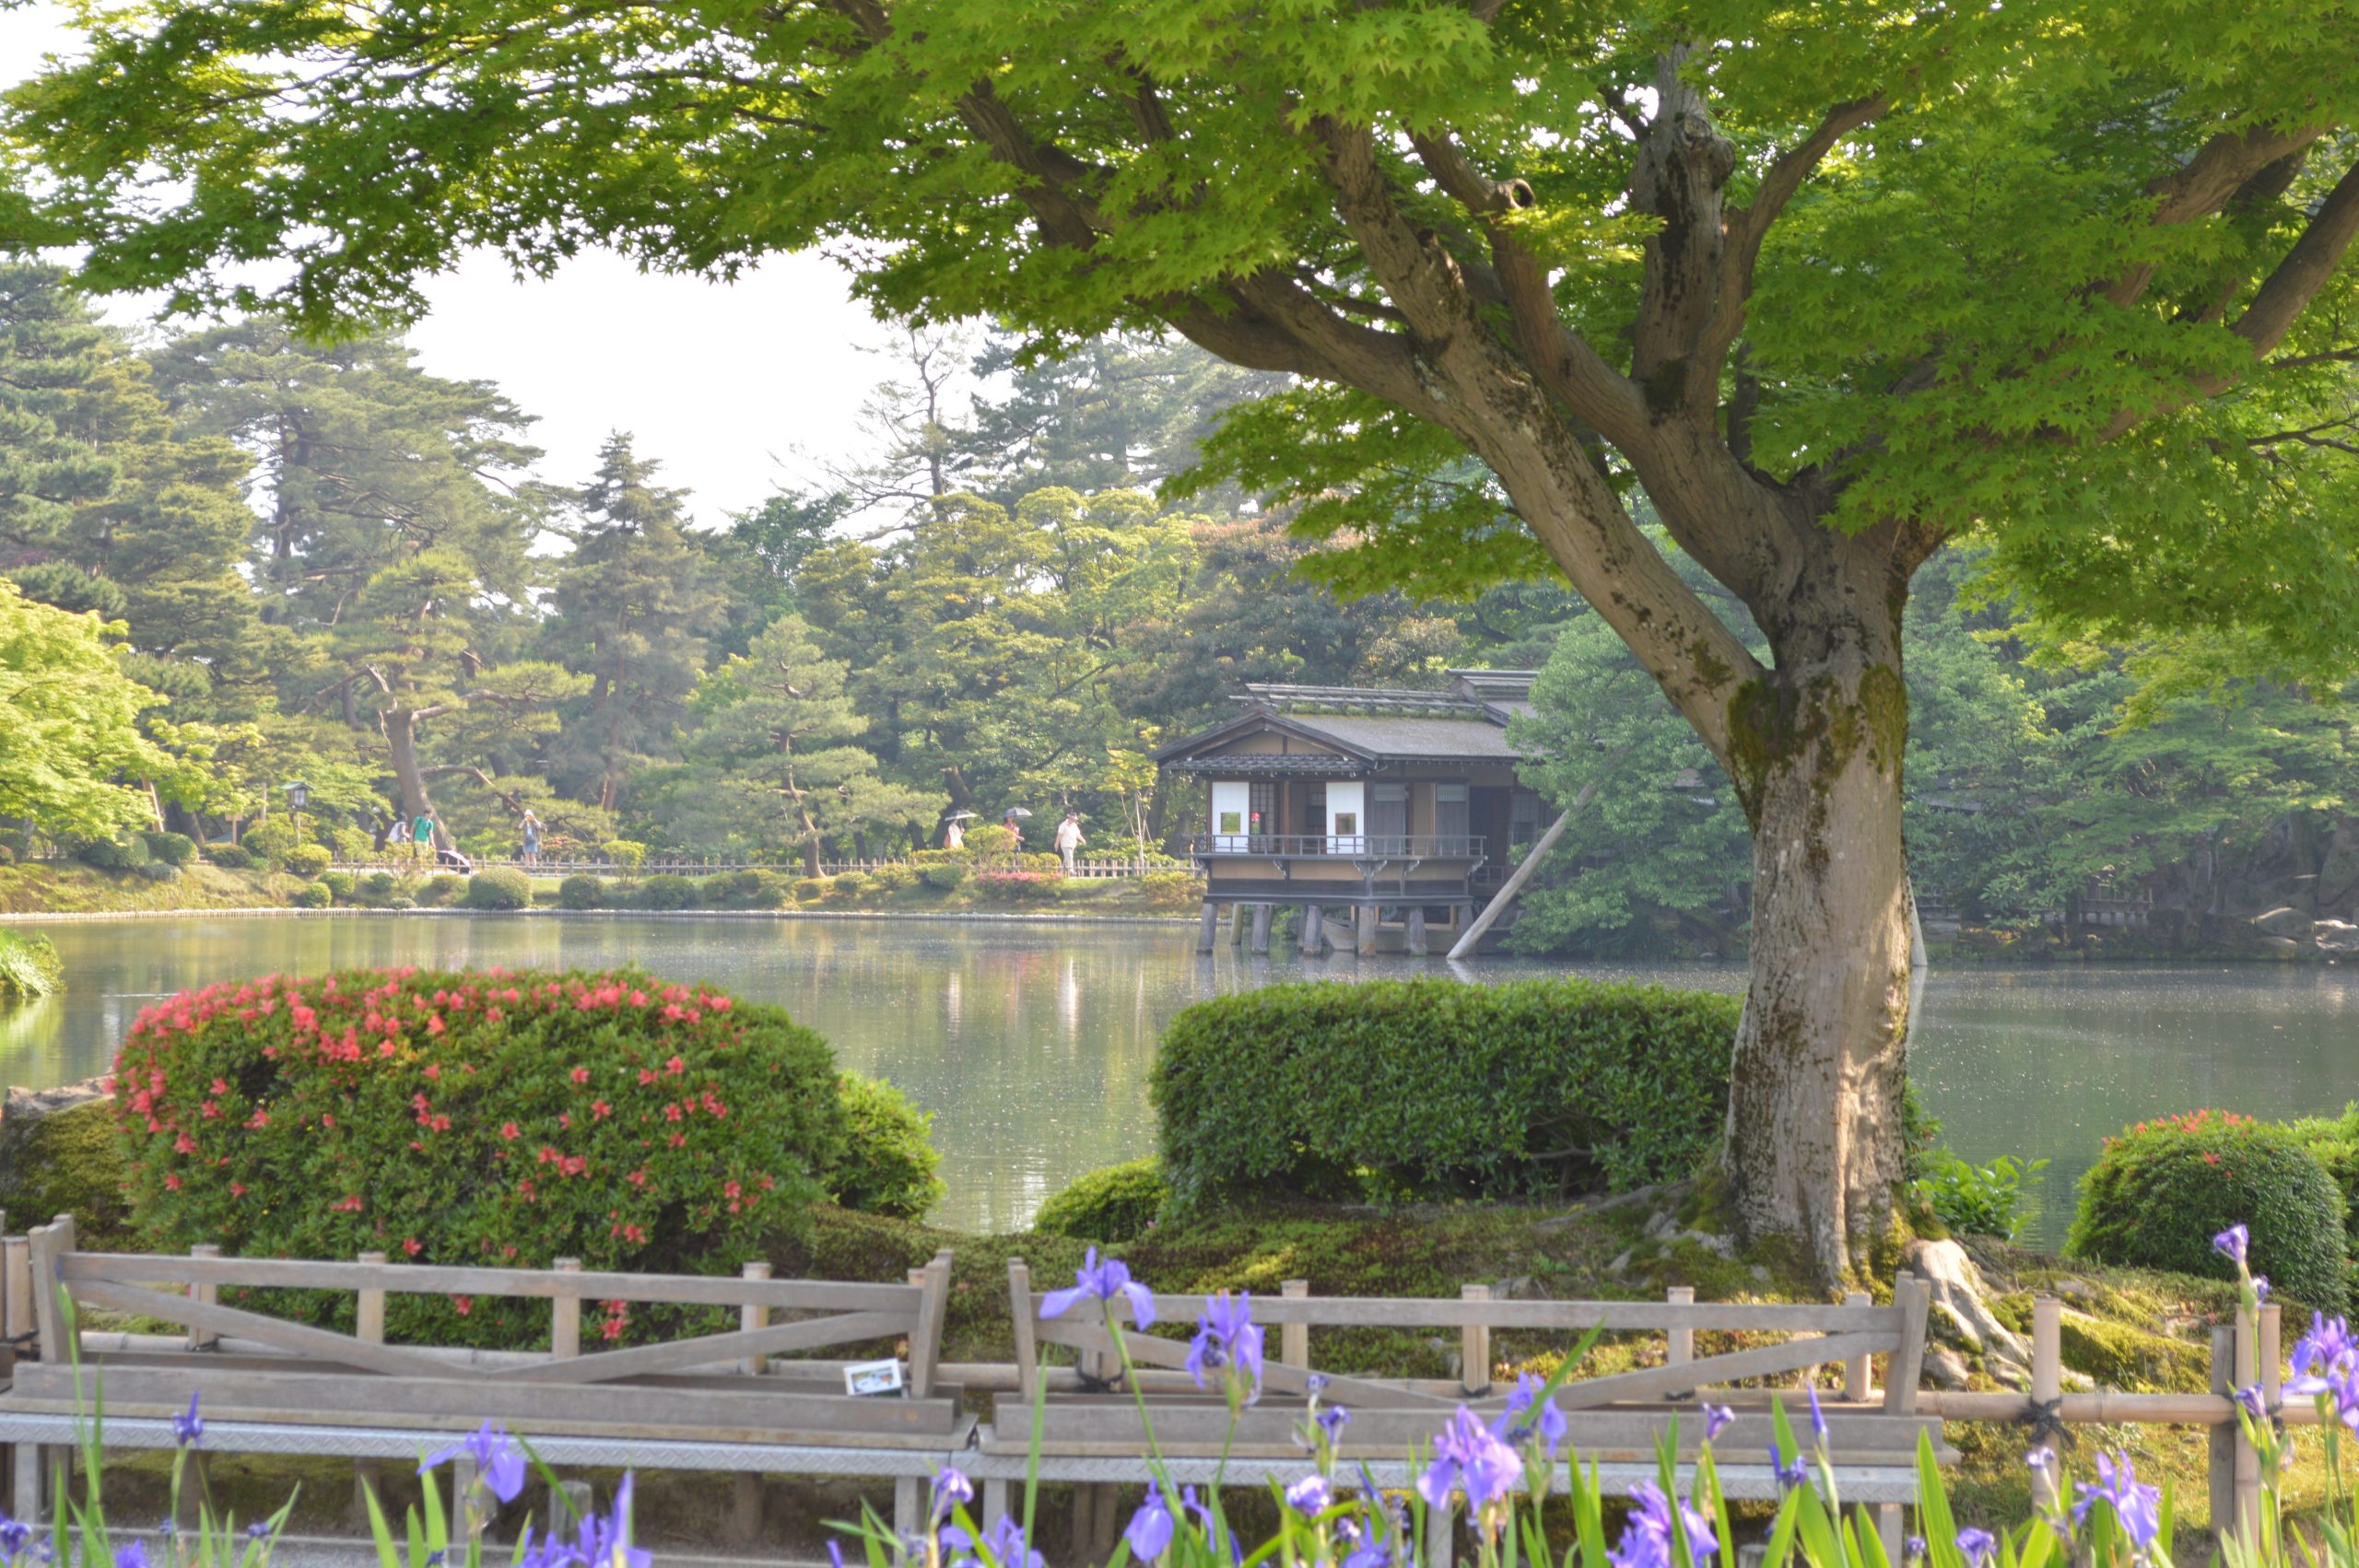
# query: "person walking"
421,832
397,837
1069,839
953,836
531,825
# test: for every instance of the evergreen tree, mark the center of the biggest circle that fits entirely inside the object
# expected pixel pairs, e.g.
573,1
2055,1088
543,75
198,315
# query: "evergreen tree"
634,604
49,349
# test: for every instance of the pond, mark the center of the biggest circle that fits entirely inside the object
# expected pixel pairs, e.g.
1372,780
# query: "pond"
1031,1043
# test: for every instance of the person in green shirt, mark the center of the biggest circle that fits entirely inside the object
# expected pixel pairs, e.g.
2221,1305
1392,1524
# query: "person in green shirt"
422,832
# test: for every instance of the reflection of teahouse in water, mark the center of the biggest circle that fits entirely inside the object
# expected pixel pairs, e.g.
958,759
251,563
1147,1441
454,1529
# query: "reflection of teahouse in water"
1395,811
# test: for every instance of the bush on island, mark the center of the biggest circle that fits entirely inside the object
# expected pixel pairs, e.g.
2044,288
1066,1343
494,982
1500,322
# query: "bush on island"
666,892
172,848
157,871
946,876
624,854
311,896
106,855
230,857
307,859
1113,1205
476,1118
808,889
441,888
580,892
71,1162
2335,1141
1531,1089
892,877
2163,1189
770,891
375,887
890,1166
500,887
848,885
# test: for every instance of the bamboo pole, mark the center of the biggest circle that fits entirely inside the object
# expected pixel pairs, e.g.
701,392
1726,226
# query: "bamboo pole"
1856,1385
1464,946
2046,1386
1474,1347
2248,1514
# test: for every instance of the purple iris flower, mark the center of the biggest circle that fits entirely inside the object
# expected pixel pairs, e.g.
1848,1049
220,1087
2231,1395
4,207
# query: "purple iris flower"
951,1490
1008,1546
1789,1475
498,1466
1333,1420
1976,1546
1373,1550
1716,1421
2232,1243
1913,1549
258,1530
1818,1420
132,1556
1228,1341
2136,1506
2321,1355
15,1535
1104,1280
1469,1456
1310,1496
2039,1461
2260,1288
1656,1525
1149,1531
834,1553
188,1428
1549,1423
2249,1398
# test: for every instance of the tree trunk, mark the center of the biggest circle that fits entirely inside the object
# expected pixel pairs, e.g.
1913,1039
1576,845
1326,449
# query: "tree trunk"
1814,1145
401,739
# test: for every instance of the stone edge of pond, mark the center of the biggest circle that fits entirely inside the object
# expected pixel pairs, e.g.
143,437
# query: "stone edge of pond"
30,917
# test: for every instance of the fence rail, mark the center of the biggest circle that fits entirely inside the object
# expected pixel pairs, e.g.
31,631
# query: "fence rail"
1364,846
1101,869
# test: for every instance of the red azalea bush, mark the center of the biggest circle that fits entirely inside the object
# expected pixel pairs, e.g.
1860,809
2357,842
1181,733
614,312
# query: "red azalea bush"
485,1117
1019,888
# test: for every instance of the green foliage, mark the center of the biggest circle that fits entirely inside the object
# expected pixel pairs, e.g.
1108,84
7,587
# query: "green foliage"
311,896
1173,890
890,1164
73,1163
1019,888
515,1118
375,888
847,884
270,839
1536,1087
172,848
580,892
28,965
500,887
157,870
442,889
893,878
109,855
340,883
946,876
1976,1200
666,892
2335,1141
307,859
2163,1189
230,857
1115,1204
624,854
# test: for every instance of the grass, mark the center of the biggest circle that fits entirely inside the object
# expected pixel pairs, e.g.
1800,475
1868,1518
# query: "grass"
64,887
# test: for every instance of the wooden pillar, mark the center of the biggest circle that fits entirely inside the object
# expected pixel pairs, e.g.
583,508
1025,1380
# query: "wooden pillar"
1314,931
2221,1471
1366,934
1679,1344
746,1487
368,1327
2046,1386
1237,925
1210,925
2248,1512
1416,930
1261,928
1475,1348
1293,1339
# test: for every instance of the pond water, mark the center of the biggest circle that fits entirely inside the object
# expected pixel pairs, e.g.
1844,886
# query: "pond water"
1031,1043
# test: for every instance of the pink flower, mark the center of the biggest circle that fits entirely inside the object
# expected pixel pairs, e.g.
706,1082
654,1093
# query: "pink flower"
581,1076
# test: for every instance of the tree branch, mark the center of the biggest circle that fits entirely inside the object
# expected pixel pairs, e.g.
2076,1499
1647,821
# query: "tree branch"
2204,184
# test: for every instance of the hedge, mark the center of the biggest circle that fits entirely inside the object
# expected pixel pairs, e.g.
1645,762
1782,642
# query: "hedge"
475,1117
307,859
2161,1191
890,1166
1115,1204
229,856
1432,1088
498,887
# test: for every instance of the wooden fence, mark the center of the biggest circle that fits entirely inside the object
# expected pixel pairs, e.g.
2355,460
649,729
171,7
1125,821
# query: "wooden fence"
1103,869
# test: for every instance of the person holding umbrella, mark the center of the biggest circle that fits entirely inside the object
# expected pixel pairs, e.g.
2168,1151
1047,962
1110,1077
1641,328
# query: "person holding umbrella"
954,832
1069,839
1014,823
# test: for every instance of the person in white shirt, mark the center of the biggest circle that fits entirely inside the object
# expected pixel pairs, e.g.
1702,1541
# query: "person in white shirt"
954,835
1068,838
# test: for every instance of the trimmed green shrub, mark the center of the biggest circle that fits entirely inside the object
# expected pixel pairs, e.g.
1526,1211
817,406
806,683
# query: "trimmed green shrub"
1432,1088
1047,861
2335,1141
580,892
666,893
172,848
375,887
1112,1205
270,838
890,1165
893,878
946,876
311,896
624,854
808,888
307,859
1172,890
351,843
72,1162
28,965
2162,1190
848,885
340,883
1019,888
157,871
106,855
230,857
770,891
486,1117
441,889
498,887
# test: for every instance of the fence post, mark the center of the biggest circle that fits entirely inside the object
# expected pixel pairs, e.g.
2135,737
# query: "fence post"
745,1499
17,1268
565,1318
1679,1344
2247,1513
205,1295
2046,1386
368,1327
1475,1348
1293,1339
2221,1471
1856,1385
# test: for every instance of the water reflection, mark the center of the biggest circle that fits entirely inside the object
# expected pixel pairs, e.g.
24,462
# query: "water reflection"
1031,1043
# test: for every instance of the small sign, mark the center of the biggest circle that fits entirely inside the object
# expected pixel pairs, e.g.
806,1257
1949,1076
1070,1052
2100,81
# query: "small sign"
868,1377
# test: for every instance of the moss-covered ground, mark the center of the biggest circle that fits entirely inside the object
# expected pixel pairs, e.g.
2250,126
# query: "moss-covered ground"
61,887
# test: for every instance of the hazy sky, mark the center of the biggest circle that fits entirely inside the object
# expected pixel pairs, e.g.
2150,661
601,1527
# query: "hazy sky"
735,389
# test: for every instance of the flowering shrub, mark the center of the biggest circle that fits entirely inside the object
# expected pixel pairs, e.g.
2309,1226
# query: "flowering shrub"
1019,888
485,1117
2160,1192
1454,1090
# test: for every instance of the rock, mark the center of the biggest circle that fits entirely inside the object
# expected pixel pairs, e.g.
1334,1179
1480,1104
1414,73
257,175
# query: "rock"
1523,1287
2280,946
2075,1290
1945,1368
1719,1246
1621,1261
1761,1271
26,1108
2335,936
1662,1225
1960,1300
2284,920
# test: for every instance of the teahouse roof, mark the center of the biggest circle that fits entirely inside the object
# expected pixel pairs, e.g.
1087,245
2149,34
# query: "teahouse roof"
1369,726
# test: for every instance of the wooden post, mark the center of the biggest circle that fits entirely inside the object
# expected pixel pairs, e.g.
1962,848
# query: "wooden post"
1416,930
1293,1339
752,1314
1314,931
746,1487
2273,1358
17,1268
2046,1386
565,1316
1439,1542
1679,1345
205,1294
1210,925
1471,933
2221,1471
1237,925
1261,928
1855,1385
2247,1510
368,1327
1474,1347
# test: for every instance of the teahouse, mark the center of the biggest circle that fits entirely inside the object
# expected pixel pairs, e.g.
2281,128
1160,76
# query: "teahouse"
1391,805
